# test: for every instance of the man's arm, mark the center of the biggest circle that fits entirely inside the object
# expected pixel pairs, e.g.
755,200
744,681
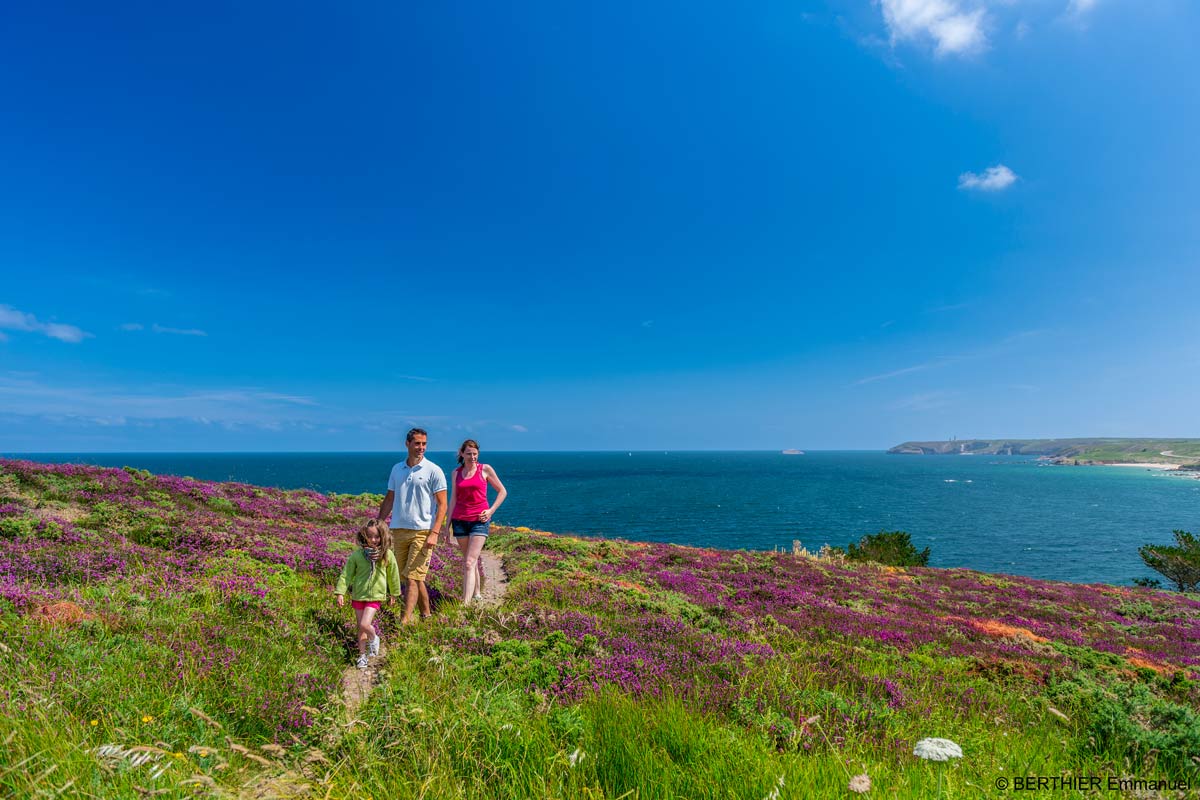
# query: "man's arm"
438,518
385,508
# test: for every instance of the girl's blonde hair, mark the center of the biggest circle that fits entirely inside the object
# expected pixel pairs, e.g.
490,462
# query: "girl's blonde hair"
385,536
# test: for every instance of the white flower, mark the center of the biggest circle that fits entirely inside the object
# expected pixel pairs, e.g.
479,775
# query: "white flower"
937,750
577,756
860,784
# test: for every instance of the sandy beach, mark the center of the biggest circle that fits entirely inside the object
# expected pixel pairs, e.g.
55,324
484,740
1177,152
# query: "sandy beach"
1146,464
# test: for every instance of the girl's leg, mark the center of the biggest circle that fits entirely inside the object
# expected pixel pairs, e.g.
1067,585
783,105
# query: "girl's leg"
366,631
358,617
471,566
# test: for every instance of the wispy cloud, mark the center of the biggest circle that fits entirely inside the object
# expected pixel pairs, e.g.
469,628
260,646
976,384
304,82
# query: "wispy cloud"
993,179
14,320
925,401
937,362
995,349
1020,336
242,395
177,331
953,29
518,428
239,405
1080,7
156,328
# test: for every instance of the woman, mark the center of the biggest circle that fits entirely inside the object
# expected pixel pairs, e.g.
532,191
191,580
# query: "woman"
470,514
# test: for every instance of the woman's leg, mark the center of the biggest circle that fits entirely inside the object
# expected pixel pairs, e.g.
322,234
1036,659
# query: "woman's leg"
471,566
468,575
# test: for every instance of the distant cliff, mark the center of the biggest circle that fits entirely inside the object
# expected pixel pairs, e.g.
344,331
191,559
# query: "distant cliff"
1096,451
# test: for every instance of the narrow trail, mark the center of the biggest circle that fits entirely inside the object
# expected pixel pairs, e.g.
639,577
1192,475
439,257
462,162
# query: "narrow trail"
357,683
495,582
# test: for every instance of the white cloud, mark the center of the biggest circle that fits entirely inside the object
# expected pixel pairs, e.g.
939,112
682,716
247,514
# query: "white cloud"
518,428
1081,6
178,331
14,320
953,29
993,179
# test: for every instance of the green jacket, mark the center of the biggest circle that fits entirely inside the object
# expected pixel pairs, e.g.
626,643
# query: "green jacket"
369,581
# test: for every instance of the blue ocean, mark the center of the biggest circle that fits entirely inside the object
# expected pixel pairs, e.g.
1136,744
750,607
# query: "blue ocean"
998,514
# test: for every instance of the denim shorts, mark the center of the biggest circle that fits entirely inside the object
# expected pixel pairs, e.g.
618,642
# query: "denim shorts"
466,527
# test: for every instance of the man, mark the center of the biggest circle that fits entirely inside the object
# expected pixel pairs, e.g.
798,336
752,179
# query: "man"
414,488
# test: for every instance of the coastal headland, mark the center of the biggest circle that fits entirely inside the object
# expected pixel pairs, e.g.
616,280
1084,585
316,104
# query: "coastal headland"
178,637
1165,453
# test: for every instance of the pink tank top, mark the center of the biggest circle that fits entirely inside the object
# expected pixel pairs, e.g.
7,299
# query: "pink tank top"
470,494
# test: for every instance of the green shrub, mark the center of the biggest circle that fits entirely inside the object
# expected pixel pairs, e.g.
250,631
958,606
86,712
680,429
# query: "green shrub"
1180,564
108,517
893,548
1128,721
21,527
222,504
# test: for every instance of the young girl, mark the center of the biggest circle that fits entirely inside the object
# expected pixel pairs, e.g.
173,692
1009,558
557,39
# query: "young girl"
470,514
371,574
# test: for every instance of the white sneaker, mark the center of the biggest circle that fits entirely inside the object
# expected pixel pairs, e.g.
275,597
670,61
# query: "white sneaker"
477,597
362,661
373,647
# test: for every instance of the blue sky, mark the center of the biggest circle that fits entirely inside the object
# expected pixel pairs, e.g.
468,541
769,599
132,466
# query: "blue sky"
824,224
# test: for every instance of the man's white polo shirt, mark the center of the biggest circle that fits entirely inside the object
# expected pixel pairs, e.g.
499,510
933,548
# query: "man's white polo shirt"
414,488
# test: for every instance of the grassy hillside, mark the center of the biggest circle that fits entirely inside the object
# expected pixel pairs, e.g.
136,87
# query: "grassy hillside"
1171,451
166,637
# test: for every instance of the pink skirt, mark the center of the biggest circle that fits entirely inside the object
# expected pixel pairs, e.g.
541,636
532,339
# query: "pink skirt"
359,605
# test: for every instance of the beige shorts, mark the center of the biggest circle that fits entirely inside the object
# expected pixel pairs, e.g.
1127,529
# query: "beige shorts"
411,553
